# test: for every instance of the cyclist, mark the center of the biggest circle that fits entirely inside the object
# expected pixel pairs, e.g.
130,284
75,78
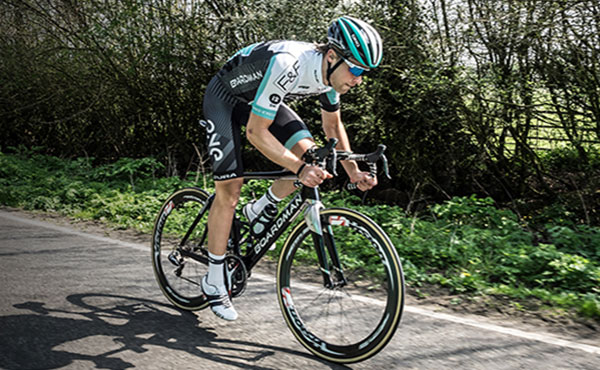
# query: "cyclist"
251,89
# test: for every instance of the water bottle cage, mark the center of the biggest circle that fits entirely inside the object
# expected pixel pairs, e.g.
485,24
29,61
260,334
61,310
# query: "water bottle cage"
260,224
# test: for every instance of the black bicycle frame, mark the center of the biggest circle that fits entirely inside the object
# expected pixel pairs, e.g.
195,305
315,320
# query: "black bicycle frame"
299,202
279,225
325,157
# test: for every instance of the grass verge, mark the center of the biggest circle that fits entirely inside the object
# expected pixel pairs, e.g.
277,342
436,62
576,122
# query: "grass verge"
465,246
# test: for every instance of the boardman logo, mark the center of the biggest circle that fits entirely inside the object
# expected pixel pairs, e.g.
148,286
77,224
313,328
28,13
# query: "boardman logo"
244,79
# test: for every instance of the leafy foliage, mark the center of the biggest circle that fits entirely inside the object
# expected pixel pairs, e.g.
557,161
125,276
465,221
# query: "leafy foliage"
466,245
458,99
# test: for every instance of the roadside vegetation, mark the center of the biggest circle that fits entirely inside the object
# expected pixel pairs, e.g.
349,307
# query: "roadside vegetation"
493,98
468,94
466,246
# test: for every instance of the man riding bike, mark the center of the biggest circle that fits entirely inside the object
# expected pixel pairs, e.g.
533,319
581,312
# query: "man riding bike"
251,89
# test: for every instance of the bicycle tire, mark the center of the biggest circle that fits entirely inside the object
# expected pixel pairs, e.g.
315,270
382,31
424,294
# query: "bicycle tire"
180,284
375,289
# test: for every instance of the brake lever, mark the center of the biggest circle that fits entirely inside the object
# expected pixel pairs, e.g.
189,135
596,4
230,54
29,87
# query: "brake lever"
323,156
332,163
386,170
324,152
319,155
373,157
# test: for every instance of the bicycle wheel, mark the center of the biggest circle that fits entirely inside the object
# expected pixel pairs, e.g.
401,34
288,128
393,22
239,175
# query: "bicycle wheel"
178,267
356,316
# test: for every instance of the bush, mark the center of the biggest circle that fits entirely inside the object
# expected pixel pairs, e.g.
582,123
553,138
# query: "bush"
466,244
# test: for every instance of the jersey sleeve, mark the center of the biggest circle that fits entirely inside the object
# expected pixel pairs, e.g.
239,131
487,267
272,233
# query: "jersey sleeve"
330,101
279,79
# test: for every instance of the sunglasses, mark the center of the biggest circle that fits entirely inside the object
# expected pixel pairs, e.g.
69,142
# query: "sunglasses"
354,69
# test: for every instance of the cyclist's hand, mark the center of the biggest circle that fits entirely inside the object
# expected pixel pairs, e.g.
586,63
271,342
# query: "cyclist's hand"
313,175
363,180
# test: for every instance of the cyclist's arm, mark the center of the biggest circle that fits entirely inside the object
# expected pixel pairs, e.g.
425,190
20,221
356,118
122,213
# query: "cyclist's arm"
334,128
280,77
257,132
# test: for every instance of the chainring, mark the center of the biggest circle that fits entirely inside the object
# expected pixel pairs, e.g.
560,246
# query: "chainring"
236,274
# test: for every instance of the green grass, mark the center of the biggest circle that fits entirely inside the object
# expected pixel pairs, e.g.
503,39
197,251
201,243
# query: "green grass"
465,245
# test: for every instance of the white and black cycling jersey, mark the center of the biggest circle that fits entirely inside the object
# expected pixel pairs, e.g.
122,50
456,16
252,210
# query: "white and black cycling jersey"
266,74
260,79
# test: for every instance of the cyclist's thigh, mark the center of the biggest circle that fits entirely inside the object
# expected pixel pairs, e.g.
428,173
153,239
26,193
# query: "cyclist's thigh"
223,133
289,128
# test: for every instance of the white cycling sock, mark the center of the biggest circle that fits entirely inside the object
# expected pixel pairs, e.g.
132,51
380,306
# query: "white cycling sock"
215,270
267,198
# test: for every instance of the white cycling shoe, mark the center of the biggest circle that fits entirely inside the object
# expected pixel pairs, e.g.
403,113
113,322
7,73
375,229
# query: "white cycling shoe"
219,300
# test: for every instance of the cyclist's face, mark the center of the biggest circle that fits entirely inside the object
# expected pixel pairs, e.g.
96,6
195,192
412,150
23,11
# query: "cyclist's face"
342,80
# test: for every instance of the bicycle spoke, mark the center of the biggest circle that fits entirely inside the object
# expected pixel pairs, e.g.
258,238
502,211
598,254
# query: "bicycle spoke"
355,317
180,228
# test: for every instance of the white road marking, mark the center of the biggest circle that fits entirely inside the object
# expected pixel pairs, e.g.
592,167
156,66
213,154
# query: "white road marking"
544,338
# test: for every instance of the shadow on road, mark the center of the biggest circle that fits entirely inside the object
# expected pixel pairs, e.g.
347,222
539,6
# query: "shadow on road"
106,325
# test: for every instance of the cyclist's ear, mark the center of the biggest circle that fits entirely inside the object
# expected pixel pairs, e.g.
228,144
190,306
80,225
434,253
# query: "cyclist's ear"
331,56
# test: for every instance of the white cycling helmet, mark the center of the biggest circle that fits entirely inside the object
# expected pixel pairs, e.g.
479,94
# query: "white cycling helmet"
353,38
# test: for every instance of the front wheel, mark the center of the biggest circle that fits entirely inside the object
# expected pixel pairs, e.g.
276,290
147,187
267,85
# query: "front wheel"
341,294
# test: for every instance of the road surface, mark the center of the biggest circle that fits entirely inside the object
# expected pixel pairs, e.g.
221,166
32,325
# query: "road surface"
76,300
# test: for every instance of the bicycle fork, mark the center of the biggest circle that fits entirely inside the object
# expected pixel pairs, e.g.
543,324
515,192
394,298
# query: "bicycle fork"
324,244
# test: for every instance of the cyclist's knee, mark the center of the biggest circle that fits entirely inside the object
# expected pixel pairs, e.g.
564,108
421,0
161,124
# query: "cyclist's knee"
227,193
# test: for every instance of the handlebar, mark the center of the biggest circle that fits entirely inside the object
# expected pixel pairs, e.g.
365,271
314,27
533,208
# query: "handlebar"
327,157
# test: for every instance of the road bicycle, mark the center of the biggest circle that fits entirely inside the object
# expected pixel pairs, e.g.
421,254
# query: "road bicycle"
339,280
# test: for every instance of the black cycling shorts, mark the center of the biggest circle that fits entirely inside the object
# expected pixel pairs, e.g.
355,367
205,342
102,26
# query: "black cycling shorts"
225,116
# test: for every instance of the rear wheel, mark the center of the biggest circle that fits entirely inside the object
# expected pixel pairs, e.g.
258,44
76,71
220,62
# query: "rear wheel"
179,267
353,315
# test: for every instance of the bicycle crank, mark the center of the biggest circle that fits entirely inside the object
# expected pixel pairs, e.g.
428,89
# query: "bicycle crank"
236,274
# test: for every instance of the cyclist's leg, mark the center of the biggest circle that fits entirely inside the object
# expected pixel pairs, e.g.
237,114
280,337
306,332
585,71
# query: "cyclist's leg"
223,140
283,188
224,147
223,132
219,225
227,194
289,129
293,133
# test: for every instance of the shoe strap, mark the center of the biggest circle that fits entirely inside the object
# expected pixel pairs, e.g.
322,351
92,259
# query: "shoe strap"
219,300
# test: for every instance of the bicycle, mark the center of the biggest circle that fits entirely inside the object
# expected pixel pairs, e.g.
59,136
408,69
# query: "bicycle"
342,307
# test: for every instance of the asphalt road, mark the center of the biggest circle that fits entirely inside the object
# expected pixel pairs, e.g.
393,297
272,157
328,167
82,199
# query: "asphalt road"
74,300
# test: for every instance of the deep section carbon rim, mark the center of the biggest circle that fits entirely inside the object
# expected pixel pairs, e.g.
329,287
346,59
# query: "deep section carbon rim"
180,268
353,319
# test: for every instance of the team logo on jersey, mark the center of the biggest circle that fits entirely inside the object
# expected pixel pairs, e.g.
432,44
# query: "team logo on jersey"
275,99
287,78
244,79
214,145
